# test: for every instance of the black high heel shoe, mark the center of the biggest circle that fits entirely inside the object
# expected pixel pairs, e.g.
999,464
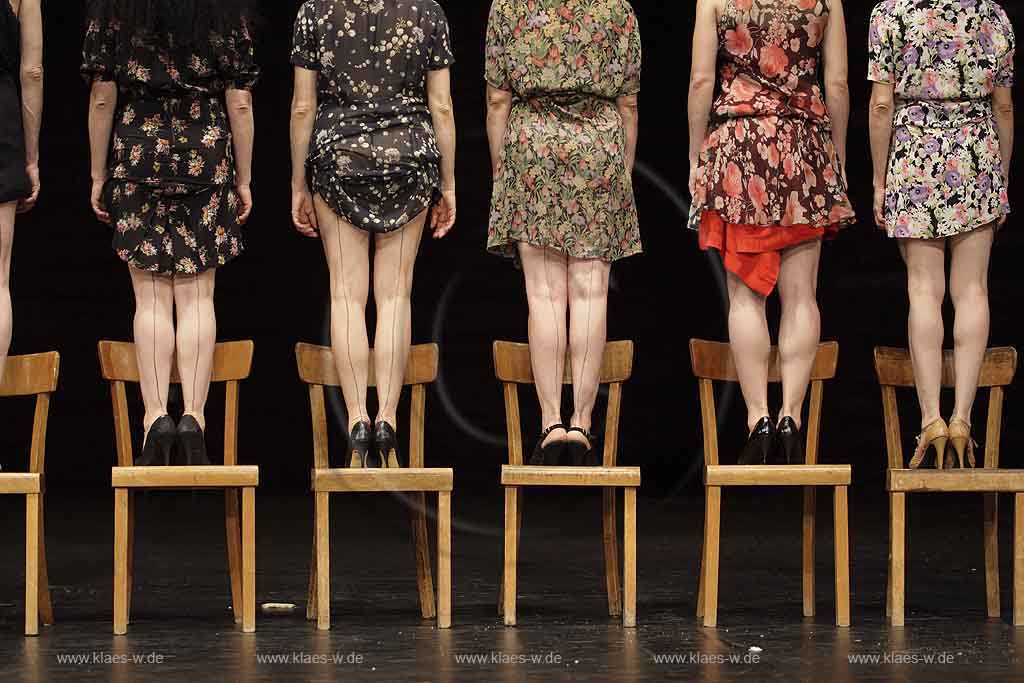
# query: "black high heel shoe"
386,441
581,454
789,449
360,443
760,444
159,444
192,442
550,454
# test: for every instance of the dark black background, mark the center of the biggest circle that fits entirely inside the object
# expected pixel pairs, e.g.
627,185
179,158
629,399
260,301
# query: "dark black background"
70,290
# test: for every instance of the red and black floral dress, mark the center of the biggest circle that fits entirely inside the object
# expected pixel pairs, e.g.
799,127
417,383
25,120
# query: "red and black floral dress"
170,190
769,177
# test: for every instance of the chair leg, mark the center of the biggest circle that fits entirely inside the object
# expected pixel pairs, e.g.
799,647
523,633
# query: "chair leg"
703,561
130,579
45,603
611,552
421,547
897,559
1018,559
810,512
712,512
629,560
233,529
992,554
120,561
248,559
519,527
32,564
841,517
511,554
444,559
311,590
323,561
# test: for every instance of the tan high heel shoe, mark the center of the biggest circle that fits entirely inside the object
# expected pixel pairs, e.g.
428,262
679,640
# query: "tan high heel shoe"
934,435
961,442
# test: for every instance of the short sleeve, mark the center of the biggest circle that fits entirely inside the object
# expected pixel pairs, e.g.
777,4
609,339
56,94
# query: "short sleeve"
238,60
1005,71
100,48
496,70
633,60
441,56
881,52
306,41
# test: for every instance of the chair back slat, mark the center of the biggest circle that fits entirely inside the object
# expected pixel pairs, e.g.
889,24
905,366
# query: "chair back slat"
714,361
232,361
31,375
512,363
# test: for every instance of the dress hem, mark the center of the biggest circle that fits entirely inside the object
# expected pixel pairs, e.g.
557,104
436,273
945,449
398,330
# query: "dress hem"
980,225
509,249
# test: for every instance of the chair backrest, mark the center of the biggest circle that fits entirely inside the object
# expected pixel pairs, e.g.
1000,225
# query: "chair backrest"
713,362
896,371
318,369
34,375
232,363
513,366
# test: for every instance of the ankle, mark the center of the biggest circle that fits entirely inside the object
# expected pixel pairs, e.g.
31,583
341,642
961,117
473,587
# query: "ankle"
199,417
150,418
795,418
387,419
754,418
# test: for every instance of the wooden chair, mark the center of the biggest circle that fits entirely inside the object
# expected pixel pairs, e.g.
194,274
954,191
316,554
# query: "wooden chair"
232,362
318,370
513,367
895,371
34,375
712,362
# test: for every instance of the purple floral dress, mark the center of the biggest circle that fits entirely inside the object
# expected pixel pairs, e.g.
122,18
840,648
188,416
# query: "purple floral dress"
944,58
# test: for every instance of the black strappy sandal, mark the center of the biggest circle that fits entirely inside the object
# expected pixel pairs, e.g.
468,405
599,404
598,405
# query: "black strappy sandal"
582,455
550,454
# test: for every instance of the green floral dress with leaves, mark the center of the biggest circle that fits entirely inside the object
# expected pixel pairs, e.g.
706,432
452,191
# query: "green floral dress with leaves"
563,182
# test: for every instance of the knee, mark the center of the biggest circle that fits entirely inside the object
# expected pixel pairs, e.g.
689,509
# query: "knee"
968,292
586,285
924,288
798,294
345,293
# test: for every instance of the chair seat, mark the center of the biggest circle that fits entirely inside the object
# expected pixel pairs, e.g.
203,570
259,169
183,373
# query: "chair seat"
185,477
531,475
778,475
21,482
986,480
383,479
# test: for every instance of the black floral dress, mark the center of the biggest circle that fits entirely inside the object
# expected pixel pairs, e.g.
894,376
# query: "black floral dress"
373,157
170,191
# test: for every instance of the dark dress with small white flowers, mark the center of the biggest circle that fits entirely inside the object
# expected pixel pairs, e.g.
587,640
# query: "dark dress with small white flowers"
373,157
171,185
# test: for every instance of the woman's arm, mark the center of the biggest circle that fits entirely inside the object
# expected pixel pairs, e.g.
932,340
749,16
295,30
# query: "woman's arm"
1002,102
629,110
880,118
304,107
442,111
102,103
702,80
837,73
31,20
499,108
243,133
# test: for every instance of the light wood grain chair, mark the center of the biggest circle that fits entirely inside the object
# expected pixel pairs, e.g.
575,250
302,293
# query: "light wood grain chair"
513,367
34,375
318,370
896,371
232,363
712,362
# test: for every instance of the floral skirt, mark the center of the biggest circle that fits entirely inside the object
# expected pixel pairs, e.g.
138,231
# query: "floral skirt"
753,253
174,229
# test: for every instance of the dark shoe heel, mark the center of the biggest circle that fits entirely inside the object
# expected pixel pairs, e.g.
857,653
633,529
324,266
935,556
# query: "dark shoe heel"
582,454
386,441
360,444
790,441
159,444
552,453
760,443
192,442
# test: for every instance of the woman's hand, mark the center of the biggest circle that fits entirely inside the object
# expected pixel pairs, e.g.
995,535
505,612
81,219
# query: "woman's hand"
29,203
442,218
880,206
694,168
245,195
304,213
97,200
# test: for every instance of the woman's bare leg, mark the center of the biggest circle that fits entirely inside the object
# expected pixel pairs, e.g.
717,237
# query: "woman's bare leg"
800,327
926,287
197,335
394,262
546,273
347,251
968,286
751,346
7,213
154,339
588,333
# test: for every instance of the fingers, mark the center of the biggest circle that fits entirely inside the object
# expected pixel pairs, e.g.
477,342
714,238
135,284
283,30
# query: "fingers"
246,212
29,203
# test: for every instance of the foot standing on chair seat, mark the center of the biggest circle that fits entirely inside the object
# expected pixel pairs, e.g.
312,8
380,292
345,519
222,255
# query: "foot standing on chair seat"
360,445
159,443
192,442
760,443
789,443
935,435
550,449
580,452
961,443
386,446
